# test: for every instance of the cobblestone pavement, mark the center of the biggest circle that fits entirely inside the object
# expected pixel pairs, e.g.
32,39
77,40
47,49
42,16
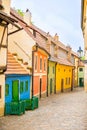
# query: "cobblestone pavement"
66,111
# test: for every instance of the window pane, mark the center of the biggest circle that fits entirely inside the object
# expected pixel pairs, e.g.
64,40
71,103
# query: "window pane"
35,62
53,70
40,63
80,69
6,90
45,65
21,87
26,85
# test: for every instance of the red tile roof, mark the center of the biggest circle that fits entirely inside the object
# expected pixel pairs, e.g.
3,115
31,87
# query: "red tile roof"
41,41
81,64
14,67
61,61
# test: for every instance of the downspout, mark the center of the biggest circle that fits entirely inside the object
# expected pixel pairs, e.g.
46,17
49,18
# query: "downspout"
47,75
72,85
55,78
33,69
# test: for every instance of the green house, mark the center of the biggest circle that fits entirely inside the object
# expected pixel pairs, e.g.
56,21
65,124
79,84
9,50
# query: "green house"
51,77
81,74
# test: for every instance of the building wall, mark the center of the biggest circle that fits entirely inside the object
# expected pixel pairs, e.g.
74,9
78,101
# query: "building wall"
2,88
63,72
80,74
51,77
21,44
40,75
24,94
84,29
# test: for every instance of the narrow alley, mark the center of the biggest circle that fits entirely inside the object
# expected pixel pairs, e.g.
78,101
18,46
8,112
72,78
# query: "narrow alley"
64,111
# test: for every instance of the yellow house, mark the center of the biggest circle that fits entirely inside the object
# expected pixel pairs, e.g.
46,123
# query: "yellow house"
76,71
64,75
84,30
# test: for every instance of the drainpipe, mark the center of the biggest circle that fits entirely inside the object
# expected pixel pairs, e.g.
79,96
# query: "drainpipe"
47,74
55,78
33,69
72,79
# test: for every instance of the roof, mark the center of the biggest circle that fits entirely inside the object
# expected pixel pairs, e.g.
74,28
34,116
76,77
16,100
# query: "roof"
6,17
14,67
59,43
61,61
38,40
81,64
41,42
27,28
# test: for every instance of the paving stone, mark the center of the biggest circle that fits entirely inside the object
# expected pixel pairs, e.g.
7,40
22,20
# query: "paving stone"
65,111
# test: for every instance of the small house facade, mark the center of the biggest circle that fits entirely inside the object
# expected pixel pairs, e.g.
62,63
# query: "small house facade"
64,76
17,81
81,74
51,76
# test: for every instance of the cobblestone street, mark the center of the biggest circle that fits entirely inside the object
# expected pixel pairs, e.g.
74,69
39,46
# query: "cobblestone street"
65,111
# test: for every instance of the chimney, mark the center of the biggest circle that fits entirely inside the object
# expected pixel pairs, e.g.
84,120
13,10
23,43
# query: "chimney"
56,37
6,5
69,52
48,42
27,17
56,51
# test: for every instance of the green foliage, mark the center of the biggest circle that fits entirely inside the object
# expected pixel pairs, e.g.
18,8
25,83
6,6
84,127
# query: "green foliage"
83,58
20,12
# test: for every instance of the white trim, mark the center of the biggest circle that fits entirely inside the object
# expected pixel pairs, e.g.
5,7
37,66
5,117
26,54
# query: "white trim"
40,74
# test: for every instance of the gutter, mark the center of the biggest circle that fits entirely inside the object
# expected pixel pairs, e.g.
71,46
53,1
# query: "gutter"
47,74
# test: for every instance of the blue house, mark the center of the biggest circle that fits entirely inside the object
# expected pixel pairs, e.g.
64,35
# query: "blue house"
17,81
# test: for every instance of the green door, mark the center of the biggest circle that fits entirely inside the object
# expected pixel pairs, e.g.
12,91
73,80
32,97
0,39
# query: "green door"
81,82
15,90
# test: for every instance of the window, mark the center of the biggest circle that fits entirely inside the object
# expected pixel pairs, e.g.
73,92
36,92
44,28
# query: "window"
35,62
44,64
80,69
6,90
40,63
53,69
66,81
21,87
26,86
0,91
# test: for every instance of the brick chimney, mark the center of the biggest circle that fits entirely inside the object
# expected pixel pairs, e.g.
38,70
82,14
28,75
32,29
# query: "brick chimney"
27,17
56,37
6,5
56,51
48,42
69,52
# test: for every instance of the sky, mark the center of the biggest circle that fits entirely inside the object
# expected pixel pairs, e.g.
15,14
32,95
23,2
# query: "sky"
56,16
